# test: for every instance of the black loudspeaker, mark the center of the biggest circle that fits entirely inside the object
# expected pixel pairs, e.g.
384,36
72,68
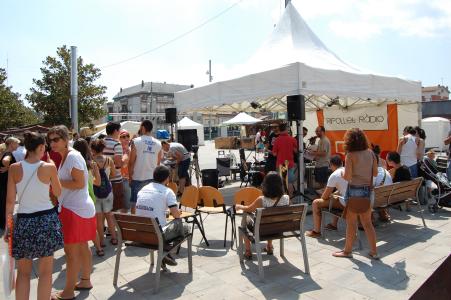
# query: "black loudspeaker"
210,177
171,115
296,107
188,138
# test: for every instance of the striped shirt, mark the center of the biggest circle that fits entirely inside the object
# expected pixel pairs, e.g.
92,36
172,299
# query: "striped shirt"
113,148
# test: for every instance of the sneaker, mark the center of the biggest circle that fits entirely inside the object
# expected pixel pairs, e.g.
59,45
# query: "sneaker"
169,261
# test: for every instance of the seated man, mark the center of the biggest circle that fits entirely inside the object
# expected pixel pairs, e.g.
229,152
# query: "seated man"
153,201
398,172
183,158
335,181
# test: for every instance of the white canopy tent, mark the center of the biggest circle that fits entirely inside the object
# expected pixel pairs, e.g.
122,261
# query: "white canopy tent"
130,126
241,119
187,123
294,61
437,130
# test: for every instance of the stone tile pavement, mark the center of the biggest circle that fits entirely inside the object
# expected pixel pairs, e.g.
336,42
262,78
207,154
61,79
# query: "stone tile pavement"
409,254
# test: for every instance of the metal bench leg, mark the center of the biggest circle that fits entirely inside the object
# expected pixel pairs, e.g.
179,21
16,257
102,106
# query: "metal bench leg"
152,257
118,260
421,212
225,231
190,254
323,221
304,255
158,271
240,245
260,261
282,250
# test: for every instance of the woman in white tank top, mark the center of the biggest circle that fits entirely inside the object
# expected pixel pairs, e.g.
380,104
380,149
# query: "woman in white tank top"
37,229
272,188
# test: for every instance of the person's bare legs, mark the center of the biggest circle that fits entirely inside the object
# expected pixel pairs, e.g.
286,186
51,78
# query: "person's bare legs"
24,268
86,265
367,224
182,182
100,231
110,223
351,230
247,246
73,266
45,270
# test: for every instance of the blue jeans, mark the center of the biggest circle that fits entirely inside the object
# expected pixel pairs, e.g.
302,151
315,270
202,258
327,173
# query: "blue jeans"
414,171
127,193
135,187
357,191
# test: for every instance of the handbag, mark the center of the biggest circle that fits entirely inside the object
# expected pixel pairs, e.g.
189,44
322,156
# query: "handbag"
360,205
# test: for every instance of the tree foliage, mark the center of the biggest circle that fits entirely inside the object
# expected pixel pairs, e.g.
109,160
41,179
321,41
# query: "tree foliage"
50,95
13,113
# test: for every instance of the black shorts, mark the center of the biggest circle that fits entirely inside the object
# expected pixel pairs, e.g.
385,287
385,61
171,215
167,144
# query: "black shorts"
183,168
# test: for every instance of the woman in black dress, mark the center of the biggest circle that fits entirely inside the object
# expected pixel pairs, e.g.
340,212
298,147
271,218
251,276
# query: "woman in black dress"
7,159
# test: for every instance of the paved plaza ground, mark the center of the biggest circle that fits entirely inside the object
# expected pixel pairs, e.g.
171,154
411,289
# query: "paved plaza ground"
409,254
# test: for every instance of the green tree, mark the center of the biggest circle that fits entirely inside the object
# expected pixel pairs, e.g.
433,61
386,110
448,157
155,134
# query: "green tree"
13,112
50,95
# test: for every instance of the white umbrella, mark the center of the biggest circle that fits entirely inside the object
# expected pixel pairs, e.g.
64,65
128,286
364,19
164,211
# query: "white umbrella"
241,119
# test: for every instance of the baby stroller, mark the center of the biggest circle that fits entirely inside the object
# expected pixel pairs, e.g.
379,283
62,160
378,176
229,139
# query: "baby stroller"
442,193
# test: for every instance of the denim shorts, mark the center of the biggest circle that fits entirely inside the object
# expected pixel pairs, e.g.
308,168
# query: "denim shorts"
135,187
358,191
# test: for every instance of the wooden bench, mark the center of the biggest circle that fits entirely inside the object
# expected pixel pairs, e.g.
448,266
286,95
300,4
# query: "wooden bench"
146,232
385,197
275,223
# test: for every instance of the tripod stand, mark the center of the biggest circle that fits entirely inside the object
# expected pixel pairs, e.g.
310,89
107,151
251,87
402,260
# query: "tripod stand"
194,168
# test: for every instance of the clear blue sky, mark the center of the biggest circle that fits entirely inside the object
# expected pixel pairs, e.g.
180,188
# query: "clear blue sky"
411,38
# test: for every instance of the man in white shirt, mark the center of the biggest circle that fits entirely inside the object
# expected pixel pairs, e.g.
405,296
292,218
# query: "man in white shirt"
154,199
20,152
335,181
145,156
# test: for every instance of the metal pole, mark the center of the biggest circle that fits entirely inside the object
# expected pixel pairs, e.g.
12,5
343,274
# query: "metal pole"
210,79
301,172
286,2
74,87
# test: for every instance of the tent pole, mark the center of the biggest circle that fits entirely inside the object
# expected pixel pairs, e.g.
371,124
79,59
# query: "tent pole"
300,180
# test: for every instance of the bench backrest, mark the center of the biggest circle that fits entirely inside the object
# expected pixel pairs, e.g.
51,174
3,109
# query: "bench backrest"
277,220
405,190
382,195
138,229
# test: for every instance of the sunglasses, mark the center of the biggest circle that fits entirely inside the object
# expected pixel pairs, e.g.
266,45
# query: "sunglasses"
125,136
55,140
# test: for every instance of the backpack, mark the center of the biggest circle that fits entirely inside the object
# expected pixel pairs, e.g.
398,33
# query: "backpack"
105,188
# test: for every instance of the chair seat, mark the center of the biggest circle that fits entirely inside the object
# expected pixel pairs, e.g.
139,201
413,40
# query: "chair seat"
211,210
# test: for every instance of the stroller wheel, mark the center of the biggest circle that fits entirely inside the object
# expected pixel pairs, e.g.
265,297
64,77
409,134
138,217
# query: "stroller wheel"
433,208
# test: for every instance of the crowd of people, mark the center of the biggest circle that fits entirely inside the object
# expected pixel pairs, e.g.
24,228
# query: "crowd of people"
66,190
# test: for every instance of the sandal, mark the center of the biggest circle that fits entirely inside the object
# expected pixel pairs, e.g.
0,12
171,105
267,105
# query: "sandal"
342,254
331,227
100,252
248,255
113,241
373,256
313,234
57,296
269,251
82,288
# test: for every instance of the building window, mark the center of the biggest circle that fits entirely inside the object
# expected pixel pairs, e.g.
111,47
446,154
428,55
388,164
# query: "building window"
143,106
